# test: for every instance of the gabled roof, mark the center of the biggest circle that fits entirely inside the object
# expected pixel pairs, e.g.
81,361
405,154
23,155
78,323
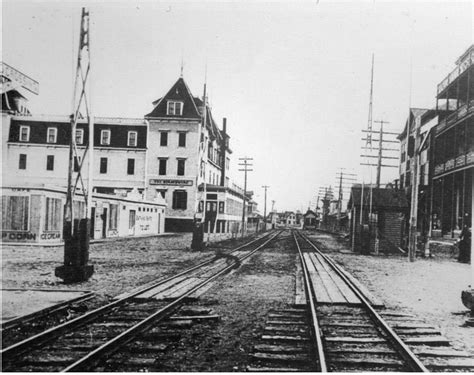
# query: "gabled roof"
179,92
414,113
381,198
309,212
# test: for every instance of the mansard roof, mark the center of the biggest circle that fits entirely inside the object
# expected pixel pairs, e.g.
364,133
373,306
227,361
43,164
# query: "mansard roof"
178,92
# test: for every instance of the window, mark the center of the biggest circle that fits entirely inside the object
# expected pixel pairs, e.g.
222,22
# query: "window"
22,161
53,214
15,212
79,136
175,108
131,219
77,163
103,165
132,139
105,137
162,192
180,198
50,162
181,139
24,134
181,167
227,162
163,138
78,209
221,207
52,135
131,166
162,166
113,217
200,206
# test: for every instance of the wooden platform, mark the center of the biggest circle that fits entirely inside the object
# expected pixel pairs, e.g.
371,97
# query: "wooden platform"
328,286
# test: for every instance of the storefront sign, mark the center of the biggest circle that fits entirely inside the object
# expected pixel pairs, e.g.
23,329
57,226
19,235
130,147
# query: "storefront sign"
171,182
18,236
51,236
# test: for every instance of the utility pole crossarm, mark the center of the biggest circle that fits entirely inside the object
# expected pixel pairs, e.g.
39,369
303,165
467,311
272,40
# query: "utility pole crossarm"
382,165
378,140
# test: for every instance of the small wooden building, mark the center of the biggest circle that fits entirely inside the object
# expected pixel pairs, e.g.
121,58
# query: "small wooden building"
310,220
384,215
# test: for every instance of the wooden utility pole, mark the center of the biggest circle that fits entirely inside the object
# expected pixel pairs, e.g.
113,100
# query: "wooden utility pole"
342,178
197,242
414,191
265,209
245,164
76,231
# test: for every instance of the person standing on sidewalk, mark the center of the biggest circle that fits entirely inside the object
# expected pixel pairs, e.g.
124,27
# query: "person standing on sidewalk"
465,244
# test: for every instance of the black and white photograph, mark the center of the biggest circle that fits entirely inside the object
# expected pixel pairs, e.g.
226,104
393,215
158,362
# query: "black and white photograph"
237,186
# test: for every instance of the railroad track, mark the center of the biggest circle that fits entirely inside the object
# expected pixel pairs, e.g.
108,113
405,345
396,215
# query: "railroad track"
85,343
349,334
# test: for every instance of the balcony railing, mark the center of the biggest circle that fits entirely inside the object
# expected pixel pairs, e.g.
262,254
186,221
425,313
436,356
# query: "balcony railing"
455,163
454,117
462,67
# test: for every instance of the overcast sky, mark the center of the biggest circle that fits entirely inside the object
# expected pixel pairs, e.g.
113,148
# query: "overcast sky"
292,78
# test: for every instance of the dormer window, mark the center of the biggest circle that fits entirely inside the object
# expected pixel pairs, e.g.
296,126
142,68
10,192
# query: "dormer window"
105,137
52,135
24,135
175,108
132,139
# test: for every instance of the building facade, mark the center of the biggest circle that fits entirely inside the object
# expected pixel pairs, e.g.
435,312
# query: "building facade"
175,156
188,163
453,156
34,214
37,150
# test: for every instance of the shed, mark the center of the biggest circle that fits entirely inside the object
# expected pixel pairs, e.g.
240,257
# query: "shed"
383,227
310,220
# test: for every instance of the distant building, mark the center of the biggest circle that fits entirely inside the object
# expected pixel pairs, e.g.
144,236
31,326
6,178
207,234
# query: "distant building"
426,120
310,220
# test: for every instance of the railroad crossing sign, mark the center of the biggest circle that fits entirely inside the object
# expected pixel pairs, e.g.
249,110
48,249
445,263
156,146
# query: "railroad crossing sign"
12,79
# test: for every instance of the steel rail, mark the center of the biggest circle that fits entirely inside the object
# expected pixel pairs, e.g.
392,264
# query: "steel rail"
20,347
310,297
109,347
402,349
15,322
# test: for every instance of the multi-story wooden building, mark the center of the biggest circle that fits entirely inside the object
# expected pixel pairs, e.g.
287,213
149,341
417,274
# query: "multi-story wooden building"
38,151
176,156
453,156
35,157
188,163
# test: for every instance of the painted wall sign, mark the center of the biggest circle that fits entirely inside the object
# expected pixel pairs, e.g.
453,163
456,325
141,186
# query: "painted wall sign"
20,78
18,236
50,236
171,182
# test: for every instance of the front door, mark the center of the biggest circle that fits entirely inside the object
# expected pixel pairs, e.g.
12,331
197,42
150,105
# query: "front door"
92,228
104,222
131,223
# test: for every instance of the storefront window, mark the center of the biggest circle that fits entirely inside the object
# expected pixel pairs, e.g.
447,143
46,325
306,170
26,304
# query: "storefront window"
15,213
53,214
